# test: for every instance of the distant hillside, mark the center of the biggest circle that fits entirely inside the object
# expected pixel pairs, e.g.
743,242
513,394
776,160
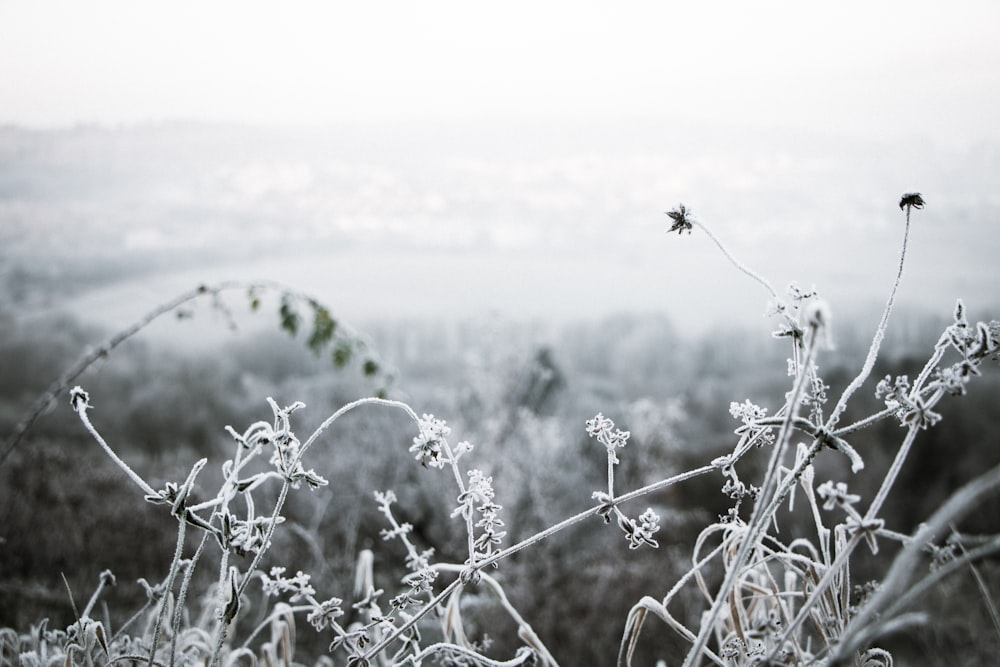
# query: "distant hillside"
532,218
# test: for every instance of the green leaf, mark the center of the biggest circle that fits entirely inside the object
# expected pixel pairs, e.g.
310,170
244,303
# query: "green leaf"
324,327
342,353
290,319
254,299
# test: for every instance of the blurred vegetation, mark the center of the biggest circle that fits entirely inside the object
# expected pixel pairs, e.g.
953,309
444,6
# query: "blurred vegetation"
518,392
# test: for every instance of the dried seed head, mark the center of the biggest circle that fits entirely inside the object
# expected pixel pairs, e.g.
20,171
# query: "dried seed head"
911,200
681,220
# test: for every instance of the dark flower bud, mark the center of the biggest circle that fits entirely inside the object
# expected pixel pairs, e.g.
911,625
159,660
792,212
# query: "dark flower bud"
680,217
911,200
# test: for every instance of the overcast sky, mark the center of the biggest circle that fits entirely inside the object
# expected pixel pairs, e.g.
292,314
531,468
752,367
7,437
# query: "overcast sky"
871,69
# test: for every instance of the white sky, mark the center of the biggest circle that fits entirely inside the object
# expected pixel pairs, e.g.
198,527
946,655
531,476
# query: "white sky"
874,69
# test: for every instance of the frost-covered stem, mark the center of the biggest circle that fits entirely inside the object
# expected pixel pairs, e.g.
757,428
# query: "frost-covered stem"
454,466
593,511
863,423
662,484
371,400
873,350
611,474
735,262
470,538
254,564
336,627
220,635
221,582
81,407
181,597
271,525
764,508
470,531
925,372
380,646
168,588
105,579
893,473
866,624
538,537
220,640
761,513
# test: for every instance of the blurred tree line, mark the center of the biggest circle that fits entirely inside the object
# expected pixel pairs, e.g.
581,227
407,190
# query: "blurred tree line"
520,393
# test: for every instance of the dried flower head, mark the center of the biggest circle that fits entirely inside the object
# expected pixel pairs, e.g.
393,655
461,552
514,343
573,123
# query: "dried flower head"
911,200
681,220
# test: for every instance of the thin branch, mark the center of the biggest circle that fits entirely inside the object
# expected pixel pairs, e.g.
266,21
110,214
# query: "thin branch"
735,262
873,350
101,351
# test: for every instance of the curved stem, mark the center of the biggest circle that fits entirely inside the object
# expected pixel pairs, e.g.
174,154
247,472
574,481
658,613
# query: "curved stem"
54,390
735,262
81,409
168,589
893,473
101,351
182,596
347,408
873,350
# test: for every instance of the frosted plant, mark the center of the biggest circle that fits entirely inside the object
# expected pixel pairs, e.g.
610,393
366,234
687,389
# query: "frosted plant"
637,533
769,596
771,588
